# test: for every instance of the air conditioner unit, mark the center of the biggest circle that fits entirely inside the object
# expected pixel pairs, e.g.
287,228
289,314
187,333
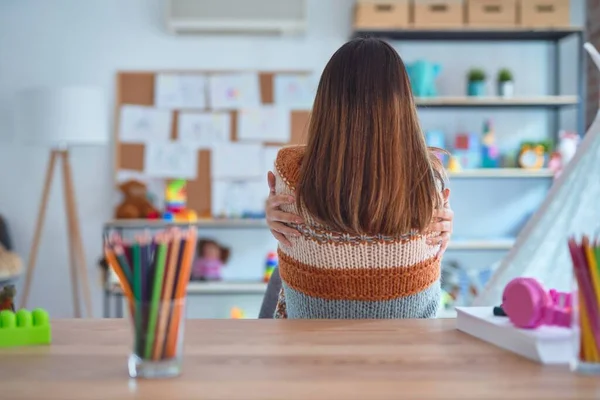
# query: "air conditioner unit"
236,16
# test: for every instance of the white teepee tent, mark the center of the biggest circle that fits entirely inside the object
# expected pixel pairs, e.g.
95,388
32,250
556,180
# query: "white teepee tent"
571,207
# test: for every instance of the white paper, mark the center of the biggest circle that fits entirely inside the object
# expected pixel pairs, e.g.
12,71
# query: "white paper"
236,161
268,159
170,159
265,124
140,124
204,129
180,91
294,90
233,91
235,198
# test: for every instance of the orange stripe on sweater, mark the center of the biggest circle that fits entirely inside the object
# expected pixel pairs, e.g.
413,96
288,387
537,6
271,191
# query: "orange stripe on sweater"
366,284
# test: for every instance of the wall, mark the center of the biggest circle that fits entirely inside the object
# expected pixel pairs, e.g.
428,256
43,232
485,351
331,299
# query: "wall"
65,42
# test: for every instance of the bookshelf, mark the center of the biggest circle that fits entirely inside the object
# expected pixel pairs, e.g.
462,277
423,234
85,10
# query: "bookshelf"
559,107
497,102
501,173
474,34
141,224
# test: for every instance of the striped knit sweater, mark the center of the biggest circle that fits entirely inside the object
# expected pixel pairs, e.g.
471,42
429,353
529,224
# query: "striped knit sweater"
327,274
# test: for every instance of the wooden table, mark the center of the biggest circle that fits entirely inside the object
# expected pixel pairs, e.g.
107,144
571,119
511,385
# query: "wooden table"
287,360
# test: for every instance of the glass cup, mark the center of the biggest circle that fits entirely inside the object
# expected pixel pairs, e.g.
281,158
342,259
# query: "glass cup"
158,330
586,355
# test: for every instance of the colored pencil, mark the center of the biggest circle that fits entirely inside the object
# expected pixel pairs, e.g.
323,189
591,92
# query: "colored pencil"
156,294
587,341
166,303
583,281
118,269
154,273
137,294
180,292
586,267
122,258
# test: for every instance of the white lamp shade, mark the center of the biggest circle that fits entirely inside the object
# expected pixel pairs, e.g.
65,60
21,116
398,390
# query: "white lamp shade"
59,117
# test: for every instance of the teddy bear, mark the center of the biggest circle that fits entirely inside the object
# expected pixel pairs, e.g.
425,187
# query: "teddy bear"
135,203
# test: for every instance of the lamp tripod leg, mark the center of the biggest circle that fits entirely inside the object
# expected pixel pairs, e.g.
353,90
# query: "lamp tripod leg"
35,244
76,243
71,235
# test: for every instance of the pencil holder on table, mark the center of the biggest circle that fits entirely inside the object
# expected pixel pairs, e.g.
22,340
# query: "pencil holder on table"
158,332
586,305
154,273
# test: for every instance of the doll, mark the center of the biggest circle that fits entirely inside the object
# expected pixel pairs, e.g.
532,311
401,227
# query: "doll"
211,257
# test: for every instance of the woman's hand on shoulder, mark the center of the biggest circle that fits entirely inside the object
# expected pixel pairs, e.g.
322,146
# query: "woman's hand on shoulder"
443,220
276,219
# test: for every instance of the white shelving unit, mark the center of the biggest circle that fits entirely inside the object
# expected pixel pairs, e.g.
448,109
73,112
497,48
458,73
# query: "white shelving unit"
493,101
483,244
501,173
140,224
209,288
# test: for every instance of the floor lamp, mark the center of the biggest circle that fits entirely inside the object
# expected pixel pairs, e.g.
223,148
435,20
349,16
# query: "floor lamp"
60,119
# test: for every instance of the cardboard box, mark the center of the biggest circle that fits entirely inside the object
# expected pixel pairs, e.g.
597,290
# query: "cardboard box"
492,13
439,13
545,13
382,14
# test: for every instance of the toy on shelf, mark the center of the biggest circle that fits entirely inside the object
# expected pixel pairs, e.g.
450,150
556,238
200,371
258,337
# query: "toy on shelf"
175,202
454,165
237,313
136,203
460,285
467,150
532,155
271,264
11,264
528,305
437,139
211,258
555,164
450,283
24,328
490,155
422,75
567,147
7,298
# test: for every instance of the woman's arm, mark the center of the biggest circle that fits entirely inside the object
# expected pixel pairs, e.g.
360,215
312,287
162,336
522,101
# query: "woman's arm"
276,219
443,223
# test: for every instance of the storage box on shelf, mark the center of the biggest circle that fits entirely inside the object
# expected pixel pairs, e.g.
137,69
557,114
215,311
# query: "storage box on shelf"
545,13
438,14
382,14
491,13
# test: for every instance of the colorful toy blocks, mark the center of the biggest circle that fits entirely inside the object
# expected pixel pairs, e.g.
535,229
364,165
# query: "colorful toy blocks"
467,141
24,328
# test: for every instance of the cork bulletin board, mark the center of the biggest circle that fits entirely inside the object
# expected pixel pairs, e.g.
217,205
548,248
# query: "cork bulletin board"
137,88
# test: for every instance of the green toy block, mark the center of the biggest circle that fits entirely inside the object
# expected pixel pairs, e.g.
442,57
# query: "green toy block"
24,328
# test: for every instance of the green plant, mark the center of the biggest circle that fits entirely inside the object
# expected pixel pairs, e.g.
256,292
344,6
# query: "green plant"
548,145
476,75
504,75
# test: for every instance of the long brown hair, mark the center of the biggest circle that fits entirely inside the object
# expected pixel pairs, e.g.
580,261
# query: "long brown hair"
367,168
